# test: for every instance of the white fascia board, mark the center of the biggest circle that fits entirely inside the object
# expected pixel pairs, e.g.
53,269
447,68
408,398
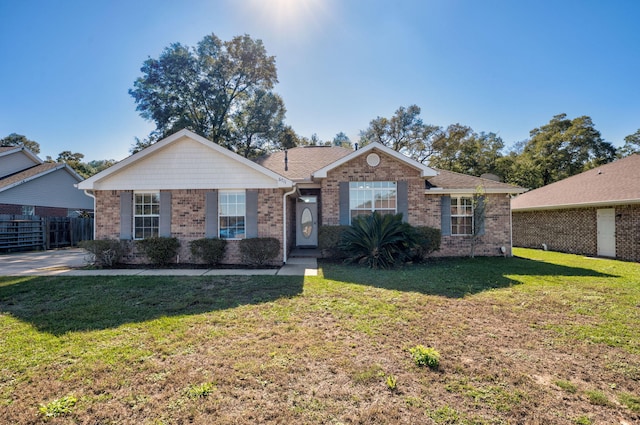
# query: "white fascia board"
425,171
442,190
26,151
282,182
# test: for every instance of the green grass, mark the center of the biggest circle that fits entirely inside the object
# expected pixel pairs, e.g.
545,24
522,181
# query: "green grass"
518,337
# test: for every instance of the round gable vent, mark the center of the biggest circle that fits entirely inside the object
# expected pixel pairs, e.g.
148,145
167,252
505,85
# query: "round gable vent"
373,159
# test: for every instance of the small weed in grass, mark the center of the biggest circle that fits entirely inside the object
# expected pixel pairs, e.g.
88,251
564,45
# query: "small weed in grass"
598,398
567,386
59,407
392,383
445,415
631,401
200,390
583,420
425,356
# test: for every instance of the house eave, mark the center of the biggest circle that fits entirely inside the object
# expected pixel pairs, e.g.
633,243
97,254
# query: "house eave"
37,176
441,190
94,181
601,204
425,171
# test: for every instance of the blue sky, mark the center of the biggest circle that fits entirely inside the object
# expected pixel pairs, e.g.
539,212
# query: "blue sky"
505,66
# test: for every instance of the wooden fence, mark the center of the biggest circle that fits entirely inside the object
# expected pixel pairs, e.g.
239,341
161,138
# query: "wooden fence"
28,233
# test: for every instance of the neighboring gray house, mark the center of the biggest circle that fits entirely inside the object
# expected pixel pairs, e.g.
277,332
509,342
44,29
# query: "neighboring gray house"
596,212
29,186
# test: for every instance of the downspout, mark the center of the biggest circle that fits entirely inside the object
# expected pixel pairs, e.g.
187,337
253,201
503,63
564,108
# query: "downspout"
284,224
90,194
510,227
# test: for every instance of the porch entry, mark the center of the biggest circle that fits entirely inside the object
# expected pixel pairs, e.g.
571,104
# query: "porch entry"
307,221
606,227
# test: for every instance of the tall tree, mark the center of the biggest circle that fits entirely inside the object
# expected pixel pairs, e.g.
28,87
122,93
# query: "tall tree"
460,149
204,88
19,140
560,149
256,126
631,145
404,132
341,140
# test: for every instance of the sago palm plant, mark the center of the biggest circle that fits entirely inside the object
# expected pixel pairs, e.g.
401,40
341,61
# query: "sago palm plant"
379,241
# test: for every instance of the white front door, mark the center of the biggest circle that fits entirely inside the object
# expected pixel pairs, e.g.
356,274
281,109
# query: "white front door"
606,232
307,221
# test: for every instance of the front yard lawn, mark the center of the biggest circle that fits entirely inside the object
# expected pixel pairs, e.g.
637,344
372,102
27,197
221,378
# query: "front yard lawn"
542,338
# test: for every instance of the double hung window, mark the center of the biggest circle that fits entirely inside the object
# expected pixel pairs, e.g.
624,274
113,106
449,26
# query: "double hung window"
146,214
462,216
232,214
367,197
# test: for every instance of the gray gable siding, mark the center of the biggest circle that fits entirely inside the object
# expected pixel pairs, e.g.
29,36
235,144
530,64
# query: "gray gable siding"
54,189
19,161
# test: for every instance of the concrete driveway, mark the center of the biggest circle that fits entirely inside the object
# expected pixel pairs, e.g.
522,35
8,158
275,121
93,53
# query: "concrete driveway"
67,262
42,263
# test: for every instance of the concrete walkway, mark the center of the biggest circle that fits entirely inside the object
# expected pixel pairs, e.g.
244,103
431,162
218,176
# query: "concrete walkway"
69,262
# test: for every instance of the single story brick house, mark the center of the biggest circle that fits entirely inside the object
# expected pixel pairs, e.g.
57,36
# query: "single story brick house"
596,212
29,186
188,187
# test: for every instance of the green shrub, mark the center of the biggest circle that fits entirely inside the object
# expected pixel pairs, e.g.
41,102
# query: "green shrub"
425,356
160,250
259,251
104,252
428,240
329,238
210,251
379,241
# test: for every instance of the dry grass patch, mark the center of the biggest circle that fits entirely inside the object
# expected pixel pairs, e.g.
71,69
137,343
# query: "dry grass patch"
544,338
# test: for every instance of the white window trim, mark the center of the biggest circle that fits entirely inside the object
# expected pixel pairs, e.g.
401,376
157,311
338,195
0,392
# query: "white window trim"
134,215
244,217
456,200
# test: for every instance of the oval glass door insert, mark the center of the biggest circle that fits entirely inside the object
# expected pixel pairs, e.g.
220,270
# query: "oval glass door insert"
306,222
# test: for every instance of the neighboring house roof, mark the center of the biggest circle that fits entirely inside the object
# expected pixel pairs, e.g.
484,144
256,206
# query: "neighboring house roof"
615,183
452,182
302,161
184,160
34,173
7,150
425,171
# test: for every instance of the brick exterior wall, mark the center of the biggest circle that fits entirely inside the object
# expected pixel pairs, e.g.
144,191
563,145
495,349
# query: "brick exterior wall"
424,210
188,221
575,230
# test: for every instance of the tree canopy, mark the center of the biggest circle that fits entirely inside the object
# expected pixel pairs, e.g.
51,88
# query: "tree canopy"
221,90
631,145
404,132
560,149
19,140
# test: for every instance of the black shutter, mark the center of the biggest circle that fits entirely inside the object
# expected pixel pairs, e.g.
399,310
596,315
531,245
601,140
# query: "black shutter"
403,200
211,214
343,202
251,205
126,215
164,228
479,215
445,215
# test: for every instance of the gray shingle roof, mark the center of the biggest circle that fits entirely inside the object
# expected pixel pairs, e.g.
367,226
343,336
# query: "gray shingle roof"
303,161
615,183
28,173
